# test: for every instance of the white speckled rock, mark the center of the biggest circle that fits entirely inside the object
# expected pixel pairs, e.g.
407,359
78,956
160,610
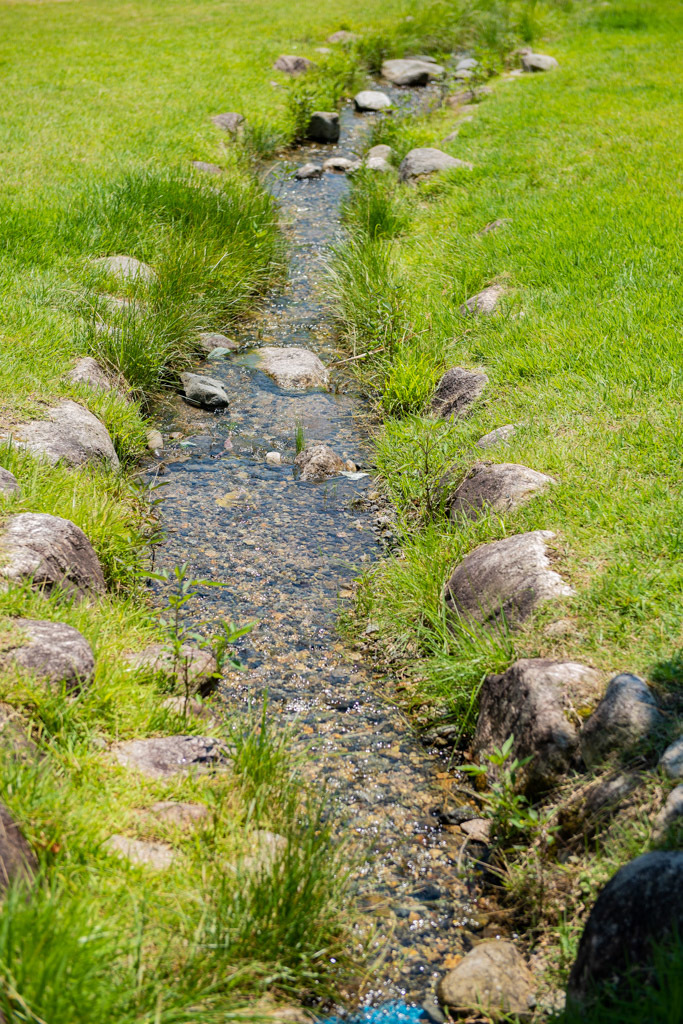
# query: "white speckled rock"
51,552
70,434
126,268
292,367
410,71
484,302
538,62
371,101
49,651
426,160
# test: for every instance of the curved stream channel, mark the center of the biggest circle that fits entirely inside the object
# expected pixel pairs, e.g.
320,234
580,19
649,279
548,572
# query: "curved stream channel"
288,549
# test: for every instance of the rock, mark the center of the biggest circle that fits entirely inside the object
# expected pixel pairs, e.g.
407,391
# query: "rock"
342,36
323,49
477,829
581,815
201,165
641,905
292,367
536,701
538,62
51,552
457,390
505,580
88,371
626,717
264,851
462,75
178,814
410,72
205,392
273,458
17,859
671,761
281,1013
498,436
210,340
308,171
198,666
157,856
378,163
293,65
155,441
229,122
501,487
15,735
485,302
323,126
70,434
494,225
425,160
9,484
492,978
50,651
127,268
371,100
467,64
671,812
318,462
385,152
340,164
163,756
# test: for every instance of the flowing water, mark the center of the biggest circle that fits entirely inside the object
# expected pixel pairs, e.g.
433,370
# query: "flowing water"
289,551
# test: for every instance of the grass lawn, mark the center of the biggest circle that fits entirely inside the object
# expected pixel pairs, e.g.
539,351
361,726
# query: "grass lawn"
584,357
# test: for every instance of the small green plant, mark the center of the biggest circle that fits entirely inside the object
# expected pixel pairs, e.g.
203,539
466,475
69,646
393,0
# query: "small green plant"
180,591
410,381
513,819
299,437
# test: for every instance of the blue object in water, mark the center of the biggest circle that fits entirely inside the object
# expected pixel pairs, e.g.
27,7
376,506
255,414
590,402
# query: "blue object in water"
391,1013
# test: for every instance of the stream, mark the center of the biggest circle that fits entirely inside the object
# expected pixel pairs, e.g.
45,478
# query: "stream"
289,551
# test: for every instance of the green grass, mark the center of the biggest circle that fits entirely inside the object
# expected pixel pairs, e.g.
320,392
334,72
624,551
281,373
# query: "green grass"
584,357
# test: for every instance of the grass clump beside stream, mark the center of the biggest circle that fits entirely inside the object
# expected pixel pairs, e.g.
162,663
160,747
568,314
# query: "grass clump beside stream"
583,357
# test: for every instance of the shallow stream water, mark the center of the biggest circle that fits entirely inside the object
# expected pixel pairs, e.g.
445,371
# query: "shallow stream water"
289,551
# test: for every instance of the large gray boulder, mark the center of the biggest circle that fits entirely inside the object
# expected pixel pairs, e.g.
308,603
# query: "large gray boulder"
640,906
671,761
484,302
205,392
70,434
229,122
318,462
88,371
426,160
371,101
197,667
505,580
536,701
17,859
293,367
9,484
457,391
624,720
492,979
126,269
323,126
50,651
501,487
52,553
164,756
408,71
538,62
293,65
